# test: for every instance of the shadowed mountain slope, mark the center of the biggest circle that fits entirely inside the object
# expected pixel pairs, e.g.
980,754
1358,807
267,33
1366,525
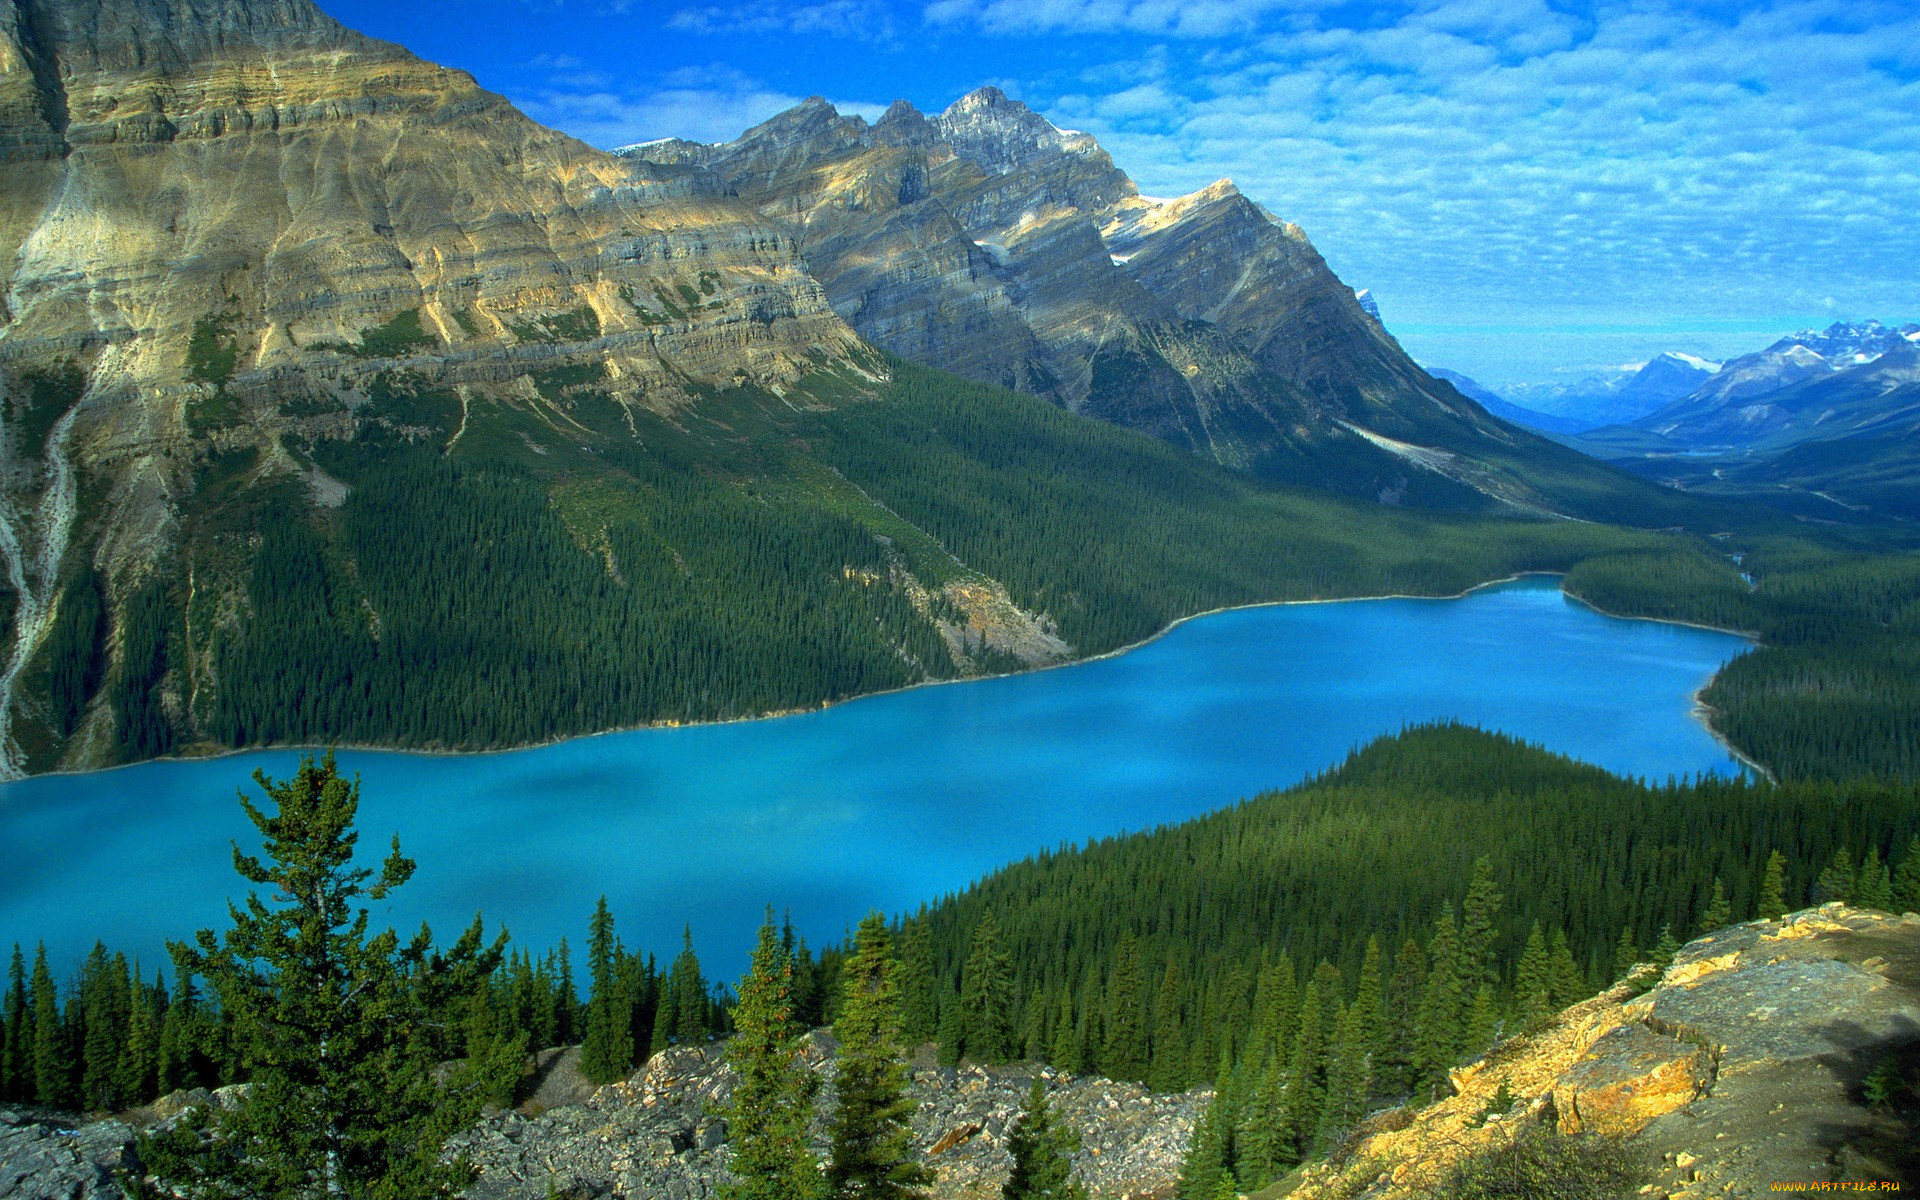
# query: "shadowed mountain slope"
987,242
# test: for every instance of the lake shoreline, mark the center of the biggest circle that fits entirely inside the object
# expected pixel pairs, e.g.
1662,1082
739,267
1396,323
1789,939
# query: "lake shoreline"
1700,709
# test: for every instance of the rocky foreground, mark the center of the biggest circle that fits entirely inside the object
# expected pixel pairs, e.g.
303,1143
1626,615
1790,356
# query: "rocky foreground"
1771,1052
1745,1065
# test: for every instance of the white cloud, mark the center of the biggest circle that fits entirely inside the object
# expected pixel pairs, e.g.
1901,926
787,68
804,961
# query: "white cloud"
869,19
1498,158
702,104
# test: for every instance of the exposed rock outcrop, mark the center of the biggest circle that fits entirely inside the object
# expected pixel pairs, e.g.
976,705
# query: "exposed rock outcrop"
44,1155
1746,1064
654,1134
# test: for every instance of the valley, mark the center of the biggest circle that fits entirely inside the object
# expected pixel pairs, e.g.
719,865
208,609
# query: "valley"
342,404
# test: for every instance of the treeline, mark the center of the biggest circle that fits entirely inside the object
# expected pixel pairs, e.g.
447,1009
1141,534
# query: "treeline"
1324,949
1833,691
1115,535
109,1038
509,585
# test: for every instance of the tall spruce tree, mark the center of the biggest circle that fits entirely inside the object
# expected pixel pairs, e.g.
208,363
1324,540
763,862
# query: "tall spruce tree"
1168,1070
1773,887
1719,910
1872,888
768,1113
52,1073
343,1102
1479,916
871,1131
1906,881
919,1012
1124,1056
607,1053
1042,1150
1442,1001
16,1046
1532,986
986,996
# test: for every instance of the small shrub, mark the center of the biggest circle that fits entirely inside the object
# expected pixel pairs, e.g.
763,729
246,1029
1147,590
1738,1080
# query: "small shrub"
1542,1165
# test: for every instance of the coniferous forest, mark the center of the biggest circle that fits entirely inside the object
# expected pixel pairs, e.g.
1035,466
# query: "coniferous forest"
1312,954
1306,952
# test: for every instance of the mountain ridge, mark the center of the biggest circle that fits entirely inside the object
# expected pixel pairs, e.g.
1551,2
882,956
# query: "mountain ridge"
986,241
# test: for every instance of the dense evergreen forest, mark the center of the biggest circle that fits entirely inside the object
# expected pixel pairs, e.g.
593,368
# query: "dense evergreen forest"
486,582
508,575
1314,953
1324,950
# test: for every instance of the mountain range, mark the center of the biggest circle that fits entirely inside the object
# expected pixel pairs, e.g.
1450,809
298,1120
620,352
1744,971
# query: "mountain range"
986,242
1822,420
1623,395
343,401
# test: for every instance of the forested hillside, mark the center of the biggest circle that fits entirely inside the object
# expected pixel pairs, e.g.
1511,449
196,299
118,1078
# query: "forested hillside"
489,574
1324,950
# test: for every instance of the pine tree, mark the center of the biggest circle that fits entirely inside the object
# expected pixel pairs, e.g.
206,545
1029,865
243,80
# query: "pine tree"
1905,882
1626,953
1773,888
52,1078
1209,1156
343,1099
1042,1150
1263,1139
1168,1070
1566,984
986,997
607,1054
1532,993
919,1017
1871,886
1719,912
566,1001
692,1006
1666,948
1404,989
1482,1023
1124,1056
769,1110
1370,1004
1438,1024
1349,1078
1478,930
871,1129
16,1046
1835,882
1064,1050
1314,1037
104,1007
138,1072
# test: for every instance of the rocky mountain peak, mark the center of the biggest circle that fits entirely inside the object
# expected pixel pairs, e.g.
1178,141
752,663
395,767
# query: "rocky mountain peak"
1003,135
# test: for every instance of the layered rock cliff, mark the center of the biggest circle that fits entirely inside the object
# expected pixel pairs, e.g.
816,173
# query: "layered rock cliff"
987,242
221,220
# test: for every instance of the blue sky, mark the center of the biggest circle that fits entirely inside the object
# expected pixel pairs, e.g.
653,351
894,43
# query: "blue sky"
1531,189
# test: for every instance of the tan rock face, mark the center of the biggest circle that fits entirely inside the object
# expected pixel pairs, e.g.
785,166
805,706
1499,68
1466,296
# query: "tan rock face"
1627,1078
229,215
268,163
1743,1066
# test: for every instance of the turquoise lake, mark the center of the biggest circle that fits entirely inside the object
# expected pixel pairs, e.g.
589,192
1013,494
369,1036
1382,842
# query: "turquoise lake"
882,802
